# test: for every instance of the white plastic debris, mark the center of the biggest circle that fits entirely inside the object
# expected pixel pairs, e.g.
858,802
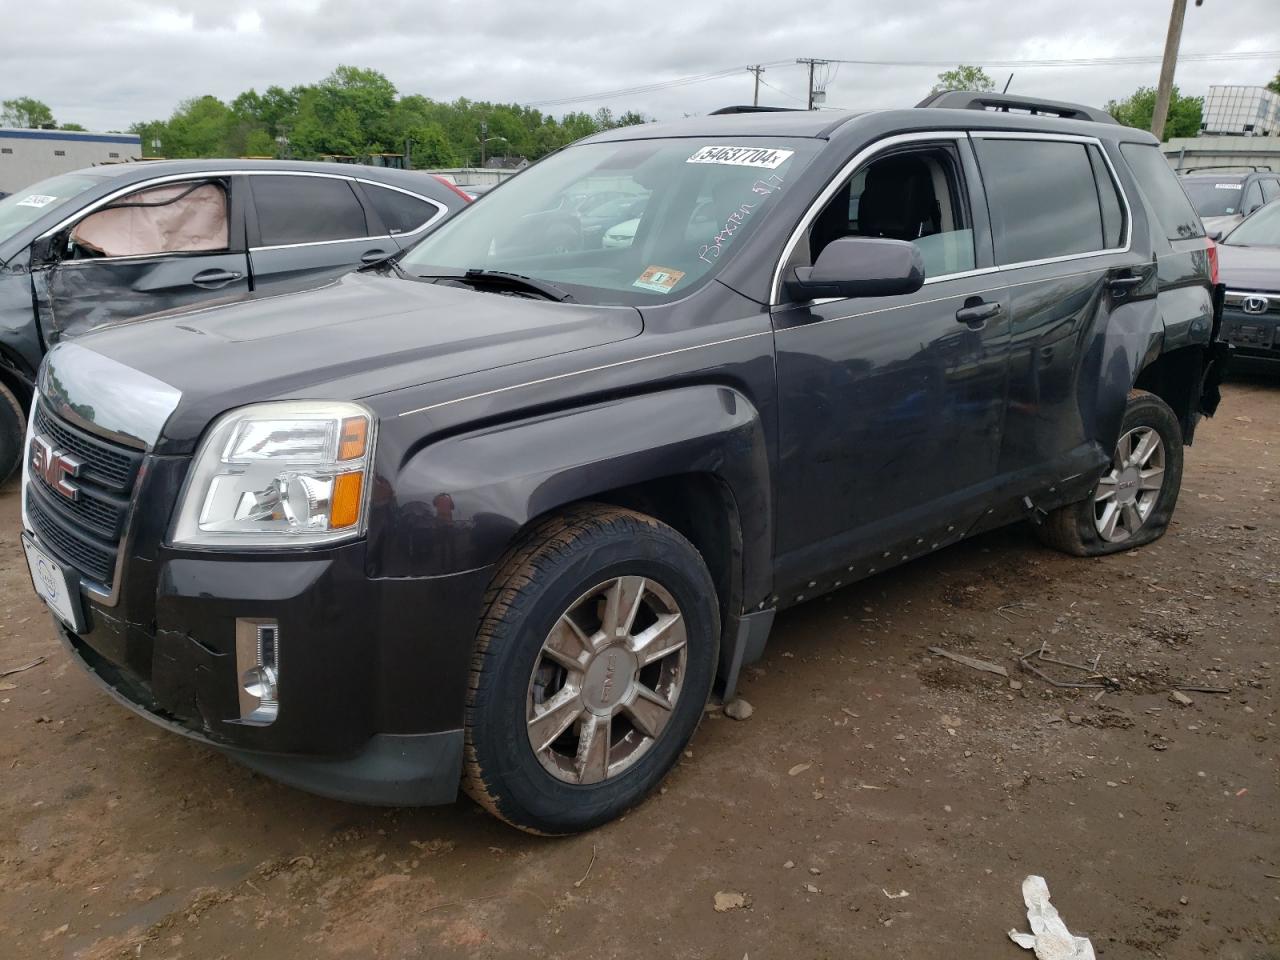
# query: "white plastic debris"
1049,936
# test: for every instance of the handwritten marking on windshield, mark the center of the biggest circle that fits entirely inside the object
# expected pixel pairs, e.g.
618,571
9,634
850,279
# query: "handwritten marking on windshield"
710,252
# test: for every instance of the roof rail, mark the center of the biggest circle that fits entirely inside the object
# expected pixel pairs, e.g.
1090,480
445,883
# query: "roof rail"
1005,103
747,108
1254,168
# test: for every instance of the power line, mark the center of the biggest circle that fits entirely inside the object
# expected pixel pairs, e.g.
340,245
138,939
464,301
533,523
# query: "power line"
783,92
1078,62
977,62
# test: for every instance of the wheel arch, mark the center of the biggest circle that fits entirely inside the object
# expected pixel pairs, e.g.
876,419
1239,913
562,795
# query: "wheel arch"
694,457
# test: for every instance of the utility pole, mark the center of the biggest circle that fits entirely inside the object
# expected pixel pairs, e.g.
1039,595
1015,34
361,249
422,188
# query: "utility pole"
1164,90
757,70
811,63
484,134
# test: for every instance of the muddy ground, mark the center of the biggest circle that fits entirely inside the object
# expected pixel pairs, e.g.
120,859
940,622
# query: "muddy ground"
869,768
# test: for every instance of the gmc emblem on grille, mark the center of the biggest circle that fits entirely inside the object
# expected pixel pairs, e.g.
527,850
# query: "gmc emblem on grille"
54,467
1256,304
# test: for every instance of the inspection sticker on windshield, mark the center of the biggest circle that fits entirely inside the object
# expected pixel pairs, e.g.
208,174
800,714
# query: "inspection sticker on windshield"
764,157
36,200
659,279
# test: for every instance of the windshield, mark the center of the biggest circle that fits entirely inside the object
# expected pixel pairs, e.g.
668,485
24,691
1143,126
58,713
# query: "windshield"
693,202
1214,198
1260,230
31,203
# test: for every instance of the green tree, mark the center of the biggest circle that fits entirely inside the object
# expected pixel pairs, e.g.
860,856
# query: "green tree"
25,112
964,77
1274,85
1136,110
70,126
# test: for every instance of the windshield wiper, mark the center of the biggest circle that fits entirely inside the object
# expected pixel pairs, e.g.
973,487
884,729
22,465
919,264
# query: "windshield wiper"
516,281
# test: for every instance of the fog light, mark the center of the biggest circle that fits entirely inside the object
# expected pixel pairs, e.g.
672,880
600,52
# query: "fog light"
258,668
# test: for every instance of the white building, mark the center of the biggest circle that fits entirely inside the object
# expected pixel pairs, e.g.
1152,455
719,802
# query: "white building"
27,156
1242,111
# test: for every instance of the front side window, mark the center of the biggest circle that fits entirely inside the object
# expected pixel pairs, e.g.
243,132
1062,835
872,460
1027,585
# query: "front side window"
170,218
915,195
1043,198
1270,189
630,222
306,210
1252,197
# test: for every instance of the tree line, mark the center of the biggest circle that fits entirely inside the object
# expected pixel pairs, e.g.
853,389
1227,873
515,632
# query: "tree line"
353,112
358,112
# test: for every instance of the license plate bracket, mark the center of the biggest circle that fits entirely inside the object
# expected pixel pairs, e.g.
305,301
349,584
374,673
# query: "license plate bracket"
56,584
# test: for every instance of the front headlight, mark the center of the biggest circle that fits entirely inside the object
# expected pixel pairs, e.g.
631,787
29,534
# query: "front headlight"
289,473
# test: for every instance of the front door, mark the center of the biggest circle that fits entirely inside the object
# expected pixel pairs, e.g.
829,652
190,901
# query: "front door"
163,246
891,408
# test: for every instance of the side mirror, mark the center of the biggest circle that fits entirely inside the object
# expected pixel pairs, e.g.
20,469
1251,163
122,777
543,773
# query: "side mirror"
1215,235
859,267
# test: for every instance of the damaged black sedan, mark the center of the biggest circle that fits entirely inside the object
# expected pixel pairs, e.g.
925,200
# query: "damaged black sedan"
112,243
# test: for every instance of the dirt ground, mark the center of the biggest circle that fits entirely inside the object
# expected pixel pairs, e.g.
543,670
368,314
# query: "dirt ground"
881,802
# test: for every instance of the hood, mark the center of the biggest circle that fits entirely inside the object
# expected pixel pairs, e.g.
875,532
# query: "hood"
1249,268
359,336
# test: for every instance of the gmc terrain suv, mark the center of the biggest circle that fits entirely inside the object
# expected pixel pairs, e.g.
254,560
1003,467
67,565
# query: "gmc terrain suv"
503,516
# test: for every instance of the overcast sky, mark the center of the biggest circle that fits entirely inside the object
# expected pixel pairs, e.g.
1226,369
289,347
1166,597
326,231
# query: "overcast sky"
108,64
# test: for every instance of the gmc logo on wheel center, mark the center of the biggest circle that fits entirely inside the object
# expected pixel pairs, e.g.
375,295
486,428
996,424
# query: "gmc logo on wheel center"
54,467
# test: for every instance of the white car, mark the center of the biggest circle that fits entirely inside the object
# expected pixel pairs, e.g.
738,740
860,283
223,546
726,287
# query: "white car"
620,235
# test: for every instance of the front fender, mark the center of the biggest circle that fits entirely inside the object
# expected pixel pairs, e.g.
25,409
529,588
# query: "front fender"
456,503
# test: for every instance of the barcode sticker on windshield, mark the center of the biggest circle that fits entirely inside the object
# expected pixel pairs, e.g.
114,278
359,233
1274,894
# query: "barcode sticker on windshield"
36,200
764,157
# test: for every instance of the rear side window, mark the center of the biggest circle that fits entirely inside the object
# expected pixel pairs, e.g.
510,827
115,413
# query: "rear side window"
1043,198
1270,190
306,210
1108,200
1163,192
400,212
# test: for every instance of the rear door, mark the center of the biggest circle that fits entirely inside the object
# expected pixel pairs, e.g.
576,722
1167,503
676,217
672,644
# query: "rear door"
164,245
307,228
1062,231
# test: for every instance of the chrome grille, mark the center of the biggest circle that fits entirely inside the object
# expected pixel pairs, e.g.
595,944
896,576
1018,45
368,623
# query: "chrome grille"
84,531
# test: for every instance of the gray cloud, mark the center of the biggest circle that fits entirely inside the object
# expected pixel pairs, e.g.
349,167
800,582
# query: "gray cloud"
106,65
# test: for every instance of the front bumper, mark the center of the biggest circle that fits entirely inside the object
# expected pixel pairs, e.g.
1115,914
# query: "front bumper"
1254,336
373,672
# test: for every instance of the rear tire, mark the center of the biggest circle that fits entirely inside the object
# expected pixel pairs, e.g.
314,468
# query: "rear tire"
593,662
13,425
1133,502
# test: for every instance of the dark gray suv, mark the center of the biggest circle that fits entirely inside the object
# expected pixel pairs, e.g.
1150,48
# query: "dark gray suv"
503,517
112,243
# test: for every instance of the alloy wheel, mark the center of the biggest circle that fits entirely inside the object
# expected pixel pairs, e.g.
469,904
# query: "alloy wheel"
606,680
1128,492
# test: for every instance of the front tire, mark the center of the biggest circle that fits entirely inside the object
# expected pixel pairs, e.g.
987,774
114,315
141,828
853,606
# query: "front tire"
593,662
13,425
1133,501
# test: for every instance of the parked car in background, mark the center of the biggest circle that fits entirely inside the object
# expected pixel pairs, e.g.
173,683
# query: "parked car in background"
1223,199
501,517
1249,261
113,243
